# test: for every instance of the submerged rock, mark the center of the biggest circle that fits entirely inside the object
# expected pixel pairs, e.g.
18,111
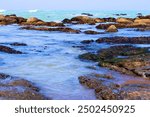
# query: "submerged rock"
87,41
61,29
91,32
9,50
18,44
88,14
130,40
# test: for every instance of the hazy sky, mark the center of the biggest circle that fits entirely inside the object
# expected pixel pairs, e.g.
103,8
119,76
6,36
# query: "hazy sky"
76,4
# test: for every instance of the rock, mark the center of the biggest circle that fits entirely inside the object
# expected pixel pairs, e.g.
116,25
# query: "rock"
86,20
19,89
109,19
66,21
112,28
98,20
101,91
88,14
24,83
61,29
2,17
18,44
89,56
142,21
91,32
122,25
9,50
87,41
124,58
130,40
3,76
124,20
122,14
33,20
54,24
105,90
89,82
144,17
83,20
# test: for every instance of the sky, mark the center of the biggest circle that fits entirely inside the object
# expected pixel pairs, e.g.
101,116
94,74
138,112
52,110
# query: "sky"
75,4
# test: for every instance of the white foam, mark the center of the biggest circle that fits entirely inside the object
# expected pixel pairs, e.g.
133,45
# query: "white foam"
33,11
2,10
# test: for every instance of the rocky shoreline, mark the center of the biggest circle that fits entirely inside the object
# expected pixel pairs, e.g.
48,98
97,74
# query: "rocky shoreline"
15,88
124,58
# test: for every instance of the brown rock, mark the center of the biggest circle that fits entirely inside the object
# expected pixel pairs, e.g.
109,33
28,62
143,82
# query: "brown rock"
33,20
9,50
124,20
142,21
112,28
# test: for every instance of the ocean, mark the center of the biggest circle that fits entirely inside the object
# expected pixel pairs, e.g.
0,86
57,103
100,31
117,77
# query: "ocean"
57,15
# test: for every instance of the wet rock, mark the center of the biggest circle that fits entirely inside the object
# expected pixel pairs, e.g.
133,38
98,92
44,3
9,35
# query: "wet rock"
131,40
61,29
135,92
9,50
144,17
89,56
87,41
112,28
105,90
66,21
89,82
19,89
18,44
88,14
124,20
26,95
109,19
102,92
91,32
125,59
54,24
143,29
122,14
123,25
3,76
139,14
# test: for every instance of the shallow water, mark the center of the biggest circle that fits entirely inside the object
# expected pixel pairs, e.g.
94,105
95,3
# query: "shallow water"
52,63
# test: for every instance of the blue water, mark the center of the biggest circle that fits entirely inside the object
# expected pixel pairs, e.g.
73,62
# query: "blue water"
50,61
57,15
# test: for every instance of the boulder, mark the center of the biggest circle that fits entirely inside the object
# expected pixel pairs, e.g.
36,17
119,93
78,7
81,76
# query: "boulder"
83,20
124,20
112,28
33,20
2,17
142,21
